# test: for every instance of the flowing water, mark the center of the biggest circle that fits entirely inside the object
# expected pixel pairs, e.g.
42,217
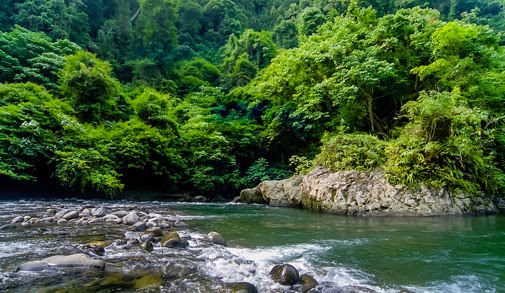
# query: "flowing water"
439,254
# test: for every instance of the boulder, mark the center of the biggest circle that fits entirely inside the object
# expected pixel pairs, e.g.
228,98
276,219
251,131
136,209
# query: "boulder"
71,215
215,238
251,195
120,214
243,287
131,218
285,274
200,198
63,262
147,246
308,283
139,226
170,239
99,212
18,219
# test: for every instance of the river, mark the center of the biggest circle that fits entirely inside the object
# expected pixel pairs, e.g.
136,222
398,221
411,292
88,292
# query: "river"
437,254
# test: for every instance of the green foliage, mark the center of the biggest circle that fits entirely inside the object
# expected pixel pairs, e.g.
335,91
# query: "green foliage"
27,56
442,146
153,108
343,151
261,170
87,84
30,127
87,168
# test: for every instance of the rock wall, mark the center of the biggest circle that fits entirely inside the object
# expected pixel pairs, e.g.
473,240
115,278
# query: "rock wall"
363,194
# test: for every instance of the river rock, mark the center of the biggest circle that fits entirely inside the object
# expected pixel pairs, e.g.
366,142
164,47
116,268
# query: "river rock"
62,221
71,215
18,219
215,238
120,214
285,274
243,287
251,196
170,239
147,246
139,226
60,214
308,283
99,212
367,194
131,218
62,262
200,198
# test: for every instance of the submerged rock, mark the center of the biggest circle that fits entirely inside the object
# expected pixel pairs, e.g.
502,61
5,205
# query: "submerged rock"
243,287
62,262
285,274
308,283
215,238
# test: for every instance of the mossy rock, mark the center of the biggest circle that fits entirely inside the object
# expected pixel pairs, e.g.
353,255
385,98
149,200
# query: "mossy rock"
147,282
243,287
170,239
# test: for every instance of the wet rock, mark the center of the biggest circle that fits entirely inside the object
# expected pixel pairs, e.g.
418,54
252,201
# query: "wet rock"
148,282
85,213
109,216
170,239
215,238
139,227
120,214
308,283
285,274
100,212
131,218
60,214
47,220
62,221
155,231
243,287
18,219
62,262
151,224
183,244
200,198
133,241
165,225
251,195
71,215
147,246
8,226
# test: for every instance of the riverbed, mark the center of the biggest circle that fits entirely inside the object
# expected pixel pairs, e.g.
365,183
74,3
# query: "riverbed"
436,254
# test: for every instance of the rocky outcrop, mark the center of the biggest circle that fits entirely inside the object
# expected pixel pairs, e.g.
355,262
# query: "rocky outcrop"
366,194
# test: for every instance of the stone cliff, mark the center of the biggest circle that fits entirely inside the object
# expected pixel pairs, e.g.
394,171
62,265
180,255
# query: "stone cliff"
363,194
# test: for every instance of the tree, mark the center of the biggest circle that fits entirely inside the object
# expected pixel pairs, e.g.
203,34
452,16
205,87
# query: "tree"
86,83
32,57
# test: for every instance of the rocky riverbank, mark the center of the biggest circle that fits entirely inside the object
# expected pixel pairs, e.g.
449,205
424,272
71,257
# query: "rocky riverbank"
144,233
363,194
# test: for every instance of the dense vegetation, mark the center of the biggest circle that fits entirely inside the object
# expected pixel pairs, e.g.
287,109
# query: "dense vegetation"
215,95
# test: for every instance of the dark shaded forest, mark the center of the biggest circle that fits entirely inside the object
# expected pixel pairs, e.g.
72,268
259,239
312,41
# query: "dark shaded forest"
101,96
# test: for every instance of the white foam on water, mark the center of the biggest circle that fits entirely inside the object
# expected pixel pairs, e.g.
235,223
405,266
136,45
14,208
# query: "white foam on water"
253,265
458,284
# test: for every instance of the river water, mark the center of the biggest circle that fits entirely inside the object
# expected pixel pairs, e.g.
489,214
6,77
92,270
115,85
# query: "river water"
439,254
